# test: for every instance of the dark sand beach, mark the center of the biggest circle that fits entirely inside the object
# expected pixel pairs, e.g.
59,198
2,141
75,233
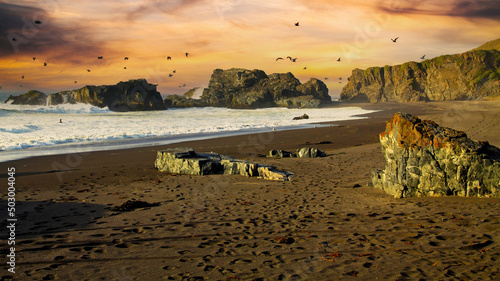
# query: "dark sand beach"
328,223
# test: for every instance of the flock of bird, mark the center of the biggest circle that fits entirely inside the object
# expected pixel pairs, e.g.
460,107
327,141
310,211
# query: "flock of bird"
100,58
187,55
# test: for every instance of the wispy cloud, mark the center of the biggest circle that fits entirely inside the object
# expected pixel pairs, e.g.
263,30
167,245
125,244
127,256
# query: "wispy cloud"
470,9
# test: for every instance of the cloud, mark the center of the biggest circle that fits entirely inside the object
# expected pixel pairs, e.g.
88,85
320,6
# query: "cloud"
470,9
19,34
149,7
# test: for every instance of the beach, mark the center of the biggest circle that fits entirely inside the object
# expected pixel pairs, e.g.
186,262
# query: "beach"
327,223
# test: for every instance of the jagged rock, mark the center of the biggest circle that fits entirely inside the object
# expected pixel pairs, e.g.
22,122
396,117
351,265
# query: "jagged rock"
32,97
243,88
310,152
304,116
176,101
187,161
467,76
133,95
425,159
278,153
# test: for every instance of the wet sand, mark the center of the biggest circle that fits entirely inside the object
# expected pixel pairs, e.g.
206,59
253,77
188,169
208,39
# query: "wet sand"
328,223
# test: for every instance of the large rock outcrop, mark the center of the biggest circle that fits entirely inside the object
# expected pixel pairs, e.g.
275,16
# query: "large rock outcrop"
32,97
468,76
243,88
133,95
187,161
425,159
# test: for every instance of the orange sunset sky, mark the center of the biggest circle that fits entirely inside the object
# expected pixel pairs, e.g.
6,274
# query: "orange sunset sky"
71,35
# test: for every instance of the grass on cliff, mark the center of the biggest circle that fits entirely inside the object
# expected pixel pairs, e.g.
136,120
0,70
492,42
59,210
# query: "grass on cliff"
491,45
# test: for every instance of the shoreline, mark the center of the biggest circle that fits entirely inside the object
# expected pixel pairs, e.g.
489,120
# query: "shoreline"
136,142
328,223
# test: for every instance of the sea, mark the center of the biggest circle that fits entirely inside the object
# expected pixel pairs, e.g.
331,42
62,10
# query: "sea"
28,130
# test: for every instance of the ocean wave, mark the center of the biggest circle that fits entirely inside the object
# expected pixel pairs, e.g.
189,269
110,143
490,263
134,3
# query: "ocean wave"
77,108
37,126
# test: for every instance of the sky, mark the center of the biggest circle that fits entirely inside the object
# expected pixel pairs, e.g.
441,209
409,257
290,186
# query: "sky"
70,35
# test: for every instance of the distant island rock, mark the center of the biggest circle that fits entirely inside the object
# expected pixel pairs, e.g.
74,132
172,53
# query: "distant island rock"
425,159
32,97
133,95
243,88
471,75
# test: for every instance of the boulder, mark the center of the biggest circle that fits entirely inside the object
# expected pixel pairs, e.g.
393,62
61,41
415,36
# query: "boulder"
425,159
32,97
310,152
187,161
304,116
278,153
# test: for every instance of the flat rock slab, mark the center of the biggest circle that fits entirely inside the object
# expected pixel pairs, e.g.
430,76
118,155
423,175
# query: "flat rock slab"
187,161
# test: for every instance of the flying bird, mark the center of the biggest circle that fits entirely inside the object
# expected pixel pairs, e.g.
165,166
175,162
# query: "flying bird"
170,75
338,59
423,57
38,22
291,59
88,70
76,82
99,58
22,77
297,24
34,59
395,39
174,71
187,54
169,58
44,64
124,67
280,58
126,58
305,67
326,78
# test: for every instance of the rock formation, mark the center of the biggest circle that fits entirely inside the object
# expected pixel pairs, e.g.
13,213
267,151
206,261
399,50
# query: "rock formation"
176,101
424,159
468,76
133,95
302,117
32,97
305,152
242,88
187,161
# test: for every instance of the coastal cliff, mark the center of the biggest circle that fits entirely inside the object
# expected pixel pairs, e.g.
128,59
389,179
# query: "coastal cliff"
472,75
243,88
133,95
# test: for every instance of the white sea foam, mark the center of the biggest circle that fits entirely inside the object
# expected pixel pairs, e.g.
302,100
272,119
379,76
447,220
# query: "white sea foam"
38,126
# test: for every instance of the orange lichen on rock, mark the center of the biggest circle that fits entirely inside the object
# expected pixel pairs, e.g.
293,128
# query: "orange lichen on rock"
425,159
